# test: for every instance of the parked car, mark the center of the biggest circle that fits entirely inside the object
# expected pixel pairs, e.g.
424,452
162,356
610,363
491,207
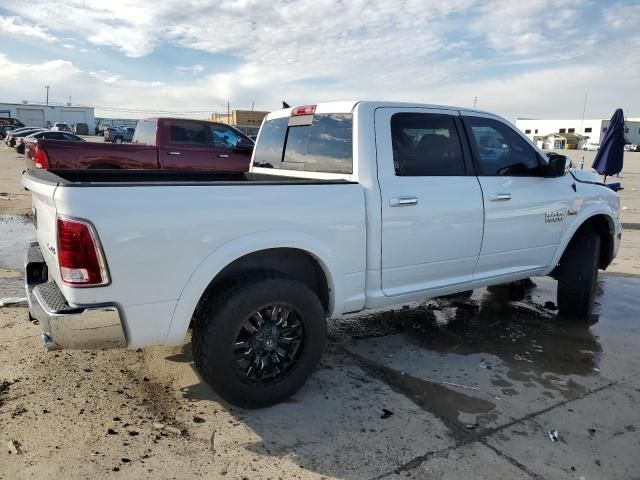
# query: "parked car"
81,129
29,141
348,206
13,137
158,143
61,127
7,124
630,147
118,134
14,131
591,147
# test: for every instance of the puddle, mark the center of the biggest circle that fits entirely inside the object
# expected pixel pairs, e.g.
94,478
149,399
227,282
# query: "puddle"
510,322
15,234
507,343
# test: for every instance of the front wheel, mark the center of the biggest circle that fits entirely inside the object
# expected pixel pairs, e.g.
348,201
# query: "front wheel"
577,276
118,140
257,343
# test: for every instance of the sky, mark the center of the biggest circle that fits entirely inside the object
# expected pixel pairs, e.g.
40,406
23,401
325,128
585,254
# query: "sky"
135,58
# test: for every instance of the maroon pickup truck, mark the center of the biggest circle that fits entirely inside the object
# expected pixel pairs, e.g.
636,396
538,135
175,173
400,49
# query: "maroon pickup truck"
158,143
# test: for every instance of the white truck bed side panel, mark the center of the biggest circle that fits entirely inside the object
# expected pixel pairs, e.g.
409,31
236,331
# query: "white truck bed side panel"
156,237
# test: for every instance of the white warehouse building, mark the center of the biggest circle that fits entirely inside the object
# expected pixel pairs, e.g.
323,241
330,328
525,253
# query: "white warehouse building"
39,115
574,133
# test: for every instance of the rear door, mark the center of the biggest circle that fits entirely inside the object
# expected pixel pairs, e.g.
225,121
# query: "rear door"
186,146
432,217
226,158
524,211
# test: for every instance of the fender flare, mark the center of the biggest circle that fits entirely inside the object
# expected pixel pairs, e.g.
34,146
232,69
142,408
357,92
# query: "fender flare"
583,217
237,248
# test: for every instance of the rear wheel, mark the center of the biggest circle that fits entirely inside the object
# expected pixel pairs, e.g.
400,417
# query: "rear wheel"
577,276
118,140
257,343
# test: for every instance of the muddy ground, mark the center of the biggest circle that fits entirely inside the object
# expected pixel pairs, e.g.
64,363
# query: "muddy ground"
453,388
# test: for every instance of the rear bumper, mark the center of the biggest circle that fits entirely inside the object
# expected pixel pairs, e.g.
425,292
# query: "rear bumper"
63,325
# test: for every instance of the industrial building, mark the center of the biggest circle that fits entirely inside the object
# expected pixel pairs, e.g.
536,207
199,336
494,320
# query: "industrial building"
248,121
573,133
40,115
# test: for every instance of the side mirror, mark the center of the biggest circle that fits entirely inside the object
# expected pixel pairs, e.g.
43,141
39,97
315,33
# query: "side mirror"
243,146
558,165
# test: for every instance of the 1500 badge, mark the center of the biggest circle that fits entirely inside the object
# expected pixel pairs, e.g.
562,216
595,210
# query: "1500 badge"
554,216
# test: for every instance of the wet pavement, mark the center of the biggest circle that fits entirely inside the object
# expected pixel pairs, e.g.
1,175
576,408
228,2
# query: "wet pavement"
502,343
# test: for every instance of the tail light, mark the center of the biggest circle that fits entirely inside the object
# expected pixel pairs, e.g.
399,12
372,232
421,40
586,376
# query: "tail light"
304,110
41,158
79,254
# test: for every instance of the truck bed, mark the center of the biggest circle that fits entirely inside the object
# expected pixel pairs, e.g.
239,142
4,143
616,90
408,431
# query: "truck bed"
130,177
161,231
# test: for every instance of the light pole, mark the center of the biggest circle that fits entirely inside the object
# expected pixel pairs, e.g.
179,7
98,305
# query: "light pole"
584,109
47,87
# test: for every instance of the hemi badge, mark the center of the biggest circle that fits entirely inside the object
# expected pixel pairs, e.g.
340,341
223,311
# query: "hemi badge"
572,211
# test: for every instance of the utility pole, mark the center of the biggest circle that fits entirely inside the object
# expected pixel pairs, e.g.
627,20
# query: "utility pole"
475,102
47,87
584,109
228,114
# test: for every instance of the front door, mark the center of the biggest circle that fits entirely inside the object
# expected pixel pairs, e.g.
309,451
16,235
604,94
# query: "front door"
524,211
432,216
189,146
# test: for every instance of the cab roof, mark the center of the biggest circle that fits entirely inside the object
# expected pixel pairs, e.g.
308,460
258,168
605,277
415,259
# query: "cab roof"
349,105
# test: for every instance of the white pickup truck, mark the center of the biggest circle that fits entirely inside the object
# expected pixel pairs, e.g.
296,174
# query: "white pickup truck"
348,206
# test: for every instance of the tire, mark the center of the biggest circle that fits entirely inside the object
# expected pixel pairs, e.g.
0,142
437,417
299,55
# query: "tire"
577,276
117,140
20,149
225,352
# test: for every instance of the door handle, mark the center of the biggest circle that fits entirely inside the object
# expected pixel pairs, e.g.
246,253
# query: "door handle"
174,153
223,155
403,201
500,197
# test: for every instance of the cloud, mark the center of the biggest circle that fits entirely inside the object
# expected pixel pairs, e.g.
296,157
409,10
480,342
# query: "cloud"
193,69
17,26
519,58
621,16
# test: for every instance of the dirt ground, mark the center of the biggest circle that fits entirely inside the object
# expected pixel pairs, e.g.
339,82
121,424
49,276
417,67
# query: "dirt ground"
453,388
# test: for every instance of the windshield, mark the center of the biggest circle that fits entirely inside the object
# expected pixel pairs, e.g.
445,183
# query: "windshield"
321,144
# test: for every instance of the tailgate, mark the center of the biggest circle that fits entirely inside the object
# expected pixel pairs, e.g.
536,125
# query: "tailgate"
44,219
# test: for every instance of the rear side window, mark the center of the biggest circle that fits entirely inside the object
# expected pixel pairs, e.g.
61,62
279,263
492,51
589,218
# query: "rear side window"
145,133
322,145
426,144
188,133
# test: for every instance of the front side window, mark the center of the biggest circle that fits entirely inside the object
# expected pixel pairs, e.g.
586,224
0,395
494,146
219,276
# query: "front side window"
322,143
188,133
501,150
425,144
225,137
